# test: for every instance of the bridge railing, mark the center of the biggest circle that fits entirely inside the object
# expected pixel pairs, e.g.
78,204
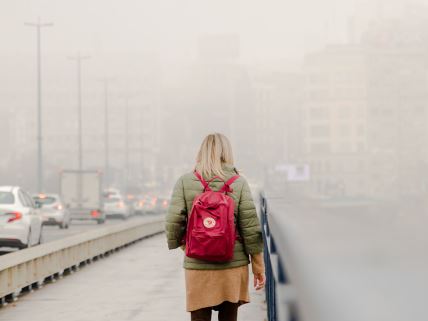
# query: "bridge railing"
344,258
29,268
280,293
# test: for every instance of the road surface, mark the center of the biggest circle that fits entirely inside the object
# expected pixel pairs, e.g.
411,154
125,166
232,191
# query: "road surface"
142,282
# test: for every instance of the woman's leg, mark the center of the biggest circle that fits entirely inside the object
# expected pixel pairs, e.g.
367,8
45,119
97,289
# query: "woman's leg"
201,314
228,311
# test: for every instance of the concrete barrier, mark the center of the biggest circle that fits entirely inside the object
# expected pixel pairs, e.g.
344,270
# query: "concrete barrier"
30,268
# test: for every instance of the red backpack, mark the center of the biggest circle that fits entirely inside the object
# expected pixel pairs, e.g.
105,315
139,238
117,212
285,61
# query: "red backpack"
211,231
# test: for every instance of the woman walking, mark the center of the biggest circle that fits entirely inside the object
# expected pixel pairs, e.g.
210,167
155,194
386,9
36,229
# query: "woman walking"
220,286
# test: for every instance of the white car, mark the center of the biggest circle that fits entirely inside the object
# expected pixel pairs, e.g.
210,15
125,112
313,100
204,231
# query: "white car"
53,210
20,221
115,206
112,192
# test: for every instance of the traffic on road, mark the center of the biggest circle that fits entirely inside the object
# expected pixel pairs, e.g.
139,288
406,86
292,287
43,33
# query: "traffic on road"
27,221
20,219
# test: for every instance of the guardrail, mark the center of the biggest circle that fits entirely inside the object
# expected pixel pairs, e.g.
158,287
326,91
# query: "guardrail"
280,293
29,268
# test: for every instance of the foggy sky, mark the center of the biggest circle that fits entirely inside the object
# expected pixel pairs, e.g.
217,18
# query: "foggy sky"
268,29
151,51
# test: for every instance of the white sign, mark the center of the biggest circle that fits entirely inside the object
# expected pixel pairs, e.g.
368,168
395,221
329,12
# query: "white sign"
295,172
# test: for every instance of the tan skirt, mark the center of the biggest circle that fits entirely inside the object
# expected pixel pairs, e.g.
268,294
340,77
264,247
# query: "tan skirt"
208,288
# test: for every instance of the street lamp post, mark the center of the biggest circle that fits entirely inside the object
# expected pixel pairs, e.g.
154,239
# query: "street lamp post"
127,146
106,136
78,58
38,25
141,146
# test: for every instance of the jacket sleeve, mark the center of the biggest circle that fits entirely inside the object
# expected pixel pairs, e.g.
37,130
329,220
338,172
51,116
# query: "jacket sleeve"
175,225
249,225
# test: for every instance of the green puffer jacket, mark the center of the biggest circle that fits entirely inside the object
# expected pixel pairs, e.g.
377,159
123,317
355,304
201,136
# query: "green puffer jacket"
185,190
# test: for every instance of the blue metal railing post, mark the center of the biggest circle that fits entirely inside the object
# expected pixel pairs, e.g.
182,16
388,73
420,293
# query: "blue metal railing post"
270,279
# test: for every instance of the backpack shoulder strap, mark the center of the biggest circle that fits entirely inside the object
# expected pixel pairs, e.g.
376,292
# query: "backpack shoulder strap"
203,182
226,187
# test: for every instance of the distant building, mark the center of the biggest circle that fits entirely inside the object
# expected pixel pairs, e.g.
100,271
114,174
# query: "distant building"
279,117
335,119
397,91
365,111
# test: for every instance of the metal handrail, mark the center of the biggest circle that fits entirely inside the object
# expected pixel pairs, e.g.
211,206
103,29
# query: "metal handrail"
280,293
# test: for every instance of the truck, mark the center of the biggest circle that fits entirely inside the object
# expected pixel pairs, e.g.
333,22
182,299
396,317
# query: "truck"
81,192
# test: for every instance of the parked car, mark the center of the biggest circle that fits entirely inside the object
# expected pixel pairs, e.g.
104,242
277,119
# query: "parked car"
20,221
53,210
115,206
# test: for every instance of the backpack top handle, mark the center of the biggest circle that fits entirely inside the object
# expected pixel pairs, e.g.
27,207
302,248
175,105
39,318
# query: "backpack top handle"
204,182
226,187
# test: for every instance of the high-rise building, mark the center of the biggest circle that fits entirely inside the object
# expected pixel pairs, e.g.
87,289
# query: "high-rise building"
335,119
277,97
397,94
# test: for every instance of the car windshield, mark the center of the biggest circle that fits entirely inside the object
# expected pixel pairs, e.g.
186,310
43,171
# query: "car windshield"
7,198
111,200
45,200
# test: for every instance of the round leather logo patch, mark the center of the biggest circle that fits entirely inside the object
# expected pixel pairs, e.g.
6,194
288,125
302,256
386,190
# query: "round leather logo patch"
209,222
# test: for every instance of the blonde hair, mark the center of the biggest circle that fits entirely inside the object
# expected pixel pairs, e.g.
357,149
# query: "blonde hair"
215,151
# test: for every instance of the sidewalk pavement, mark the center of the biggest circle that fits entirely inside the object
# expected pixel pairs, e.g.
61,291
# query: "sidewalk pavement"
144,282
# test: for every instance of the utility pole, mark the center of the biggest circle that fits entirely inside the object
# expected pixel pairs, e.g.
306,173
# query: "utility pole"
141,146
106,136
78,58
127,146
38,25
